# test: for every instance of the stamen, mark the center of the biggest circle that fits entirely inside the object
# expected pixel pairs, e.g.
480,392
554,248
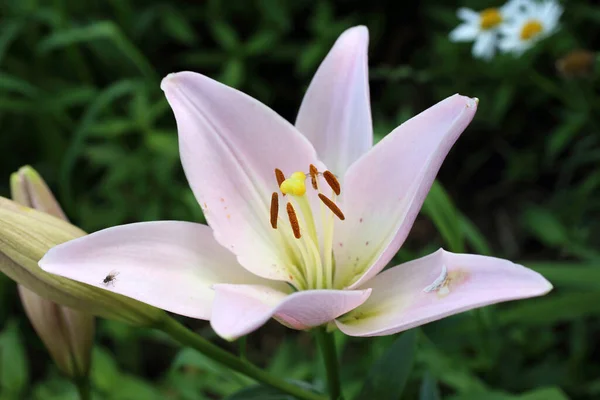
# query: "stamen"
332,206
274,209
293,220
334,184
313,172
279,176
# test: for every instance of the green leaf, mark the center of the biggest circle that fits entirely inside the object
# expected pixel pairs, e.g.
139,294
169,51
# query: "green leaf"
225,35
102,30
14,368
552,309
388,375
545,226
474,237
14,84
260,43
439,208
233,74
429,389
544,394
105,373
134,388
451,371
91,115
568,275
560,138
536,394
178,26
257,392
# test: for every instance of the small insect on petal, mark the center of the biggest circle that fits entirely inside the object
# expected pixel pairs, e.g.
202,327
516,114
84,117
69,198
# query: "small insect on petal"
334,184
439,281
110,278
274,209
332,206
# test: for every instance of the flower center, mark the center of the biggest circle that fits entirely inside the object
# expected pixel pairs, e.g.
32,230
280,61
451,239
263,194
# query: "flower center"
531,29
489,18
310,250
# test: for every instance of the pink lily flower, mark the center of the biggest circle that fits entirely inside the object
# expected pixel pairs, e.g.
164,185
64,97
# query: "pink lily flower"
302,219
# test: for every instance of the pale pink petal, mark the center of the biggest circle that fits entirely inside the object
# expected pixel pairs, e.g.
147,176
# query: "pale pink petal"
416,292
385,189
230,145
168,264
335,114
240,309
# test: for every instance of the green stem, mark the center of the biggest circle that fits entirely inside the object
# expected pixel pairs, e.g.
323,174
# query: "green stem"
243,347
189,338
327,345
83,388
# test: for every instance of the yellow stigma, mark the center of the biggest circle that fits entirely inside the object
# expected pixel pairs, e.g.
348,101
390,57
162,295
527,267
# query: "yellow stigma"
531,29
294,185
489,18
301,176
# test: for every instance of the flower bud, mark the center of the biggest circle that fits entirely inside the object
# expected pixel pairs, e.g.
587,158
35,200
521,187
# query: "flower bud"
578,63
68,334
27,234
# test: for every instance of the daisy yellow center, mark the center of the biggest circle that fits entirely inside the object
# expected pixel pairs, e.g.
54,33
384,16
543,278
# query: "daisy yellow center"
489,18
309,250
531,29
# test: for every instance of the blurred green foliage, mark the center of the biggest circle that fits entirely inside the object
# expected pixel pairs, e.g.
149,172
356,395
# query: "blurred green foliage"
80,101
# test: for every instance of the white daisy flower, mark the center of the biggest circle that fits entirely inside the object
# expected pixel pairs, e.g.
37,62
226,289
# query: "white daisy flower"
537,21
483,27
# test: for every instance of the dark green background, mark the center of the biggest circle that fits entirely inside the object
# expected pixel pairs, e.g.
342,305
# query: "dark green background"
80,101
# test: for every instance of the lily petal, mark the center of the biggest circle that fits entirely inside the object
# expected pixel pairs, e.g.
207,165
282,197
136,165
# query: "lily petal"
335,114
385,189
168,264
230,145
436,286
240,309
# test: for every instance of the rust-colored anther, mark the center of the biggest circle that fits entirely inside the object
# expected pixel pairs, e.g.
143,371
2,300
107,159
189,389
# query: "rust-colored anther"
334,184
332,206
280,177
313,172
293,220
274,209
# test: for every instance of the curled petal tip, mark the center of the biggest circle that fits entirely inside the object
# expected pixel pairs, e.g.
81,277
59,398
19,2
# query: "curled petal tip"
473,102
169,79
